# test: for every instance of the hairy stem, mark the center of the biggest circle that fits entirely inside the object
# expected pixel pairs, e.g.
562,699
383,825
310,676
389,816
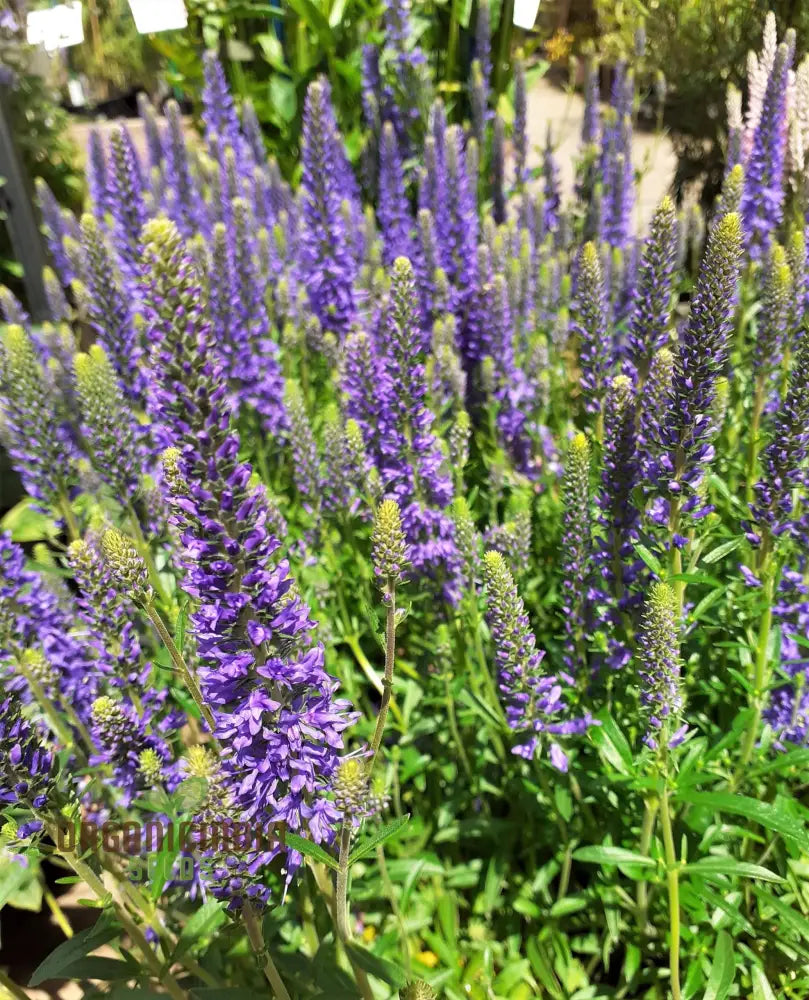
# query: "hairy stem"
343,929
262,953
146,555
387,681
179,662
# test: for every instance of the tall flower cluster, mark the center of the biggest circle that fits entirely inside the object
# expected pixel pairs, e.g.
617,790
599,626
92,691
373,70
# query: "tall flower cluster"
25,759
125,743
762,200
32,618
261,668
591,327
37,436
768,351
386,388
576,551
617,514
659,669
327,261
688,426
534,700
783,460
616,171
651,303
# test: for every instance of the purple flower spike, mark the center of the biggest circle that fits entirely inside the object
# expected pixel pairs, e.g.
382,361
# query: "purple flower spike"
659,669
534,701
763,197
327,261
262,670
689,425
651,303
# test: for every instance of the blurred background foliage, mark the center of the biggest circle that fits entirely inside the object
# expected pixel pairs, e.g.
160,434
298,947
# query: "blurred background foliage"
699,47
272,49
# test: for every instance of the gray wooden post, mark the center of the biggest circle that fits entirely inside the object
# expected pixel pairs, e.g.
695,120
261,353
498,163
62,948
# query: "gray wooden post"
21,219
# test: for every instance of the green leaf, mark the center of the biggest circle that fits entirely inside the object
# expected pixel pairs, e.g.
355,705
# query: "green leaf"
283,97
28,525
315,20
161,867
790,918
606,855
570,904
72,951
191,793
369,845
706,867
388,972
723,969
336,14
98,967
722,550
310,850
650,559
612,743
272,50
761,986
721,487
218,993
13,876
201,923
772,817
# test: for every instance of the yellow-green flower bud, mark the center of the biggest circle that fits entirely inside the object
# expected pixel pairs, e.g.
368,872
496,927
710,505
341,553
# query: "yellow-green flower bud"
417,990
127,565
150,766
390,547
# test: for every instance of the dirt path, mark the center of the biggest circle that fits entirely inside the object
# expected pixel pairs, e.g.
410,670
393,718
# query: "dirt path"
652,154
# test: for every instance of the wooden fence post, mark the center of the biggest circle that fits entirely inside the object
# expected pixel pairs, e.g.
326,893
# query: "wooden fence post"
21,219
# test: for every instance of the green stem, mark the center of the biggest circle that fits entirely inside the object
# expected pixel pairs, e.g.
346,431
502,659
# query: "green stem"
54,717
504,43
387,682
752,455
564,877
390,891
761,666
179,662
58,912
156,968
73,532
341,911
676,556
146,554
483,660
257,943
453,727
12,988
452,42
308,921
673,882
650,808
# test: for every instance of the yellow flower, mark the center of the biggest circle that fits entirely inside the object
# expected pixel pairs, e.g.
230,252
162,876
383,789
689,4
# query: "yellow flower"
559,46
